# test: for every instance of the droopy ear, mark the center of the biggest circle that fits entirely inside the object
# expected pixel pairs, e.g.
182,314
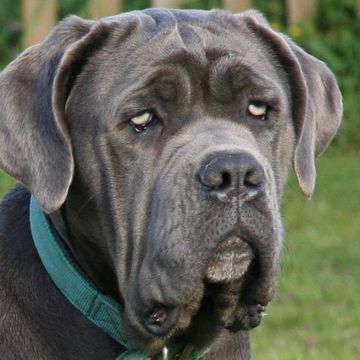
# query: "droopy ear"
35,146
316,100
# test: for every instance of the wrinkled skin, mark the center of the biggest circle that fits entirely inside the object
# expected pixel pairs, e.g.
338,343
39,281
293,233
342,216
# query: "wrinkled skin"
161,227
141,221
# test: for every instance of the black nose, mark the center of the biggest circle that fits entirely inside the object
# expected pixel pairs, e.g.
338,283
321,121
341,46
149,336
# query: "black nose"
225,174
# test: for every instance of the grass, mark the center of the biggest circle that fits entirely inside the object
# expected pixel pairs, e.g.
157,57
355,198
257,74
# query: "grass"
6,182
316,315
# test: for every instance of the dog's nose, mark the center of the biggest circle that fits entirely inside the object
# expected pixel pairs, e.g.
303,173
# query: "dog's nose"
228,174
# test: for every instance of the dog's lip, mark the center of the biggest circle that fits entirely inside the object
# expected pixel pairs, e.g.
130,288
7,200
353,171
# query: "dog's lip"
161,320
249,299
233,243
231,260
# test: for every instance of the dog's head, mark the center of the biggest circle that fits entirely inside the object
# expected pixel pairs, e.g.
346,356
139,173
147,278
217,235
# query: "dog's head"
166,137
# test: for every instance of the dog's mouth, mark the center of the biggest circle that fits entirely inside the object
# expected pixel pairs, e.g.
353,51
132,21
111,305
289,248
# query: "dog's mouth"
230,276
217,303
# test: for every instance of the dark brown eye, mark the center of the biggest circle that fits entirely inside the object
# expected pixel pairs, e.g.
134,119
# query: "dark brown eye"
258,109
142,121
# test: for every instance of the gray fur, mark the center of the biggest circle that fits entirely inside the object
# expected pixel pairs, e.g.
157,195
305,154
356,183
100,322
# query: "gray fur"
137,219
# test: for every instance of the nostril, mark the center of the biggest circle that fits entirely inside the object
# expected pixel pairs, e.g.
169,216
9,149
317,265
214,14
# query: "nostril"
226,181
215,179
252,180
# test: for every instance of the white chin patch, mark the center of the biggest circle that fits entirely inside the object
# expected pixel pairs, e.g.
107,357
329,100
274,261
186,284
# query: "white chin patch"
230,262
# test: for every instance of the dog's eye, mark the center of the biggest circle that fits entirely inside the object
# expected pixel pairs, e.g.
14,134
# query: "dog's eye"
258,109
142,121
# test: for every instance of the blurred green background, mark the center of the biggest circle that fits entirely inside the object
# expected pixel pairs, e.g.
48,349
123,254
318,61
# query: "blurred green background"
316,314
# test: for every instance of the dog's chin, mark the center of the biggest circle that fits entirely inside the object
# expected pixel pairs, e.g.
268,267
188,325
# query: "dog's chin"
214,307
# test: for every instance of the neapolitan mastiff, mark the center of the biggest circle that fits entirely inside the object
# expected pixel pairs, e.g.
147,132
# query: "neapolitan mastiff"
156,145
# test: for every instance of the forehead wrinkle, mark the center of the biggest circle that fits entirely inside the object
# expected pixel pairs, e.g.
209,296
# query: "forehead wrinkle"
206,34
191,38
175,30
230,75
176,33
182,57
176,49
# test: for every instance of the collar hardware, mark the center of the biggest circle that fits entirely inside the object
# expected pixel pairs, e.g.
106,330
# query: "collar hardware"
165,353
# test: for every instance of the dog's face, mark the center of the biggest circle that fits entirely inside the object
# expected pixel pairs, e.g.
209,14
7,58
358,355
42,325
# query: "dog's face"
181,127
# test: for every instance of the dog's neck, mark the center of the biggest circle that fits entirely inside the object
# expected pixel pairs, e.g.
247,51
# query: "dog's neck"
89,259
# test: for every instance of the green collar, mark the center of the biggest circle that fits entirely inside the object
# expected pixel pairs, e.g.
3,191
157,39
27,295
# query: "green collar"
100,309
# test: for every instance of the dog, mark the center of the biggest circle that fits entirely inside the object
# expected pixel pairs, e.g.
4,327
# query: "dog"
154,147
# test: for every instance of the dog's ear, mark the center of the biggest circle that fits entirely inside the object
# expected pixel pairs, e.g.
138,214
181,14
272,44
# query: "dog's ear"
35,146
316,100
